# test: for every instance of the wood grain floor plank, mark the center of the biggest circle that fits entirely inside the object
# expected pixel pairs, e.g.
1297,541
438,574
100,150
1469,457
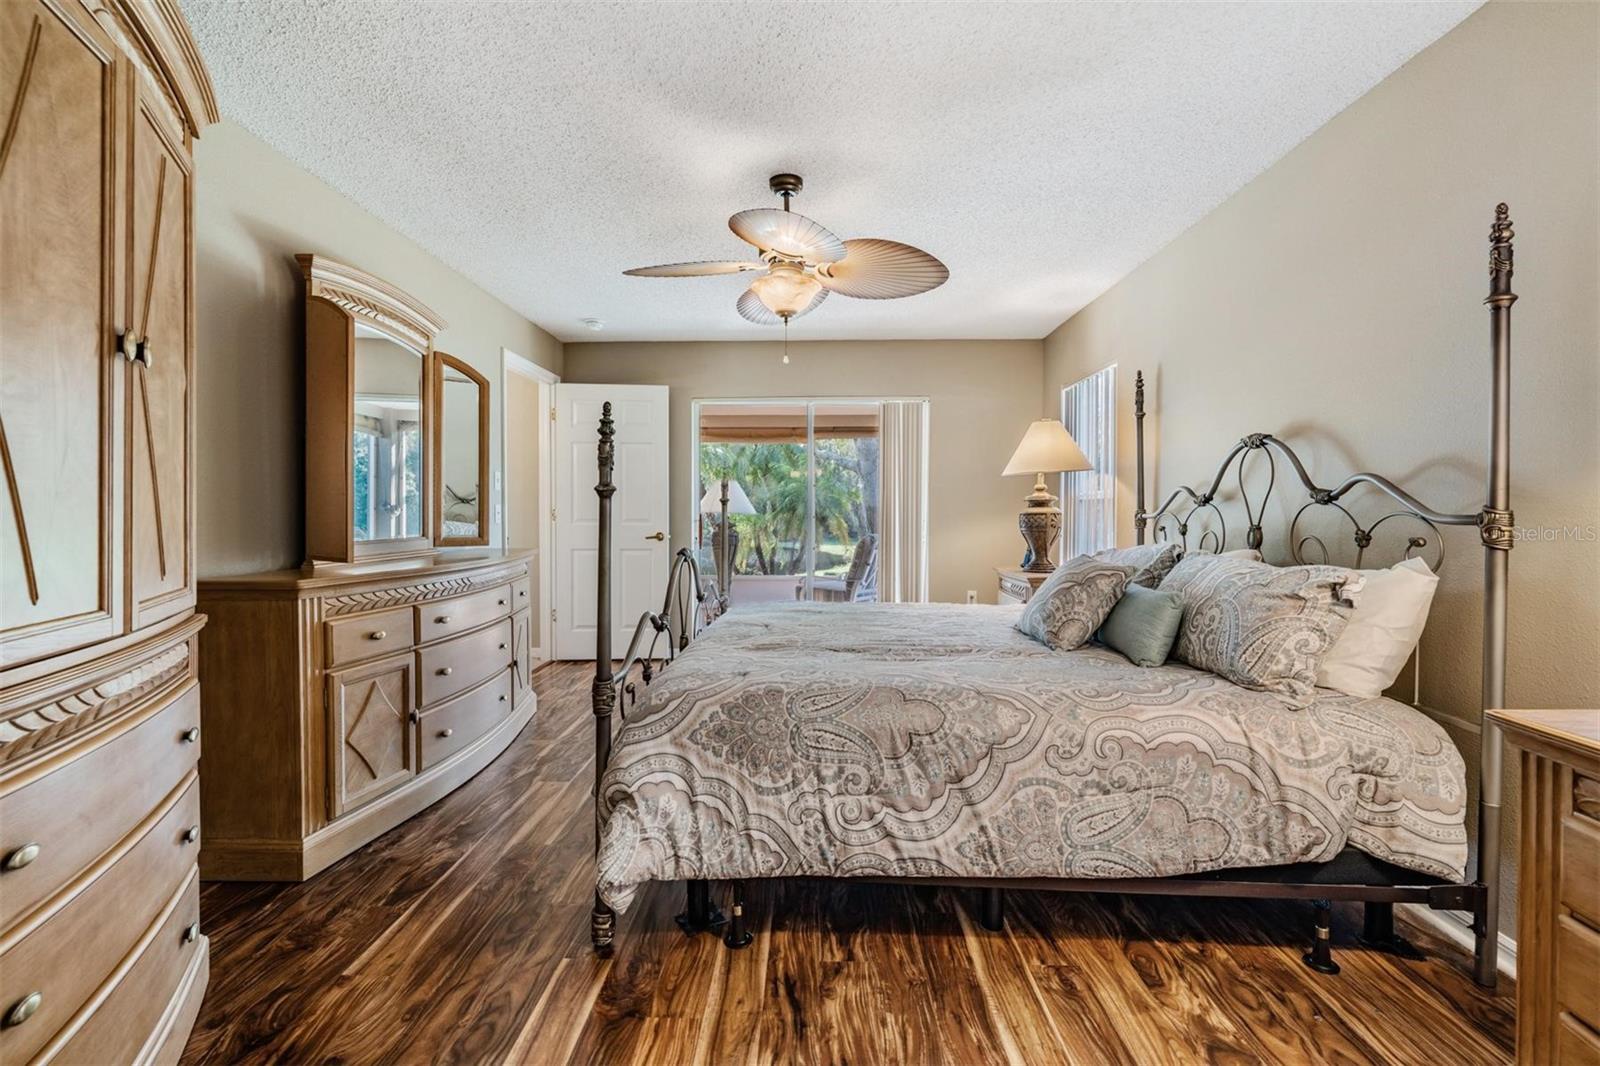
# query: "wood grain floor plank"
462,936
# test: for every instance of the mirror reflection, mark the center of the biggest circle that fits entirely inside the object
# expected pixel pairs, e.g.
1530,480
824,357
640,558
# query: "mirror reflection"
387,442
460,476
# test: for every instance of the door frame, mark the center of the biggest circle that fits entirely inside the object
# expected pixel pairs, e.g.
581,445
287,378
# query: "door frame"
512,363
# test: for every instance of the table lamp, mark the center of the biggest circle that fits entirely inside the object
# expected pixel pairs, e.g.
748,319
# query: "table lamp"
1047,448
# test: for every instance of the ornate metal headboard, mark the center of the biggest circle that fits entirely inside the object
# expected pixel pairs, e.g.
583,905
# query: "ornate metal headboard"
1185,506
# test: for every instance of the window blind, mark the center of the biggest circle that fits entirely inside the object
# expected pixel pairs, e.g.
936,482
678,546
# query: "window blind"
1089,497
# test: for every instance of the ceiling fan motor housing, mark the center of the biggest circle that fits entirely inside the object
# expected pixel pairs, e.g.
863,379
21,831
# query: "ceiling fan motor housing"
785,185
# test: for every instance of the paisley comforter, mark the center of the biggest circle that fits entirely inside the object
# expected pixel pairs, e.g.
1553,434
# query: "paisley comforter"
936,740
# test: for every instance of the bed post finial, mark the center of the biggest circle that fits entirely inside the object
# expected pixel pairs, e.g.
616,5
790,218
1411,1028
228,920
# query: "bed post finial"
602,919
1139,518
1495,526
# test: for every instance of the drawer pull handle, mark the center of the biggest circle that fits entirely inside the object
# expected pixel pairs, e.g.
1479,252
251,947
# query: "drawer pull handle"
502,646
502,602
523,593
444,671
23,1009
191,734
378,634
447,732
191,834
191,932
442,620
17,858
502,698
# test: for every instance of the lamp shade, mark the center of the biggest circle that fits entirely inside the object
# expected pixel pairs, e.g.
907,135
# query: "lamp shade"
1047,448
738,502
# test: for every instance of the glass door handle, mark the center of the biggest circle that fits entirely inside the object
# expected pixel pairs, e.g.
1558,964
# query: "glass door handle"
657,535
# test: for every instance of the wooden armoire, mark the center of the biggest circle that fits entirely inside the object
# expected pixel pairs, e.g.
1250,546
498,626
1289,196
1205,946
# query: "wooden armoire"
101,955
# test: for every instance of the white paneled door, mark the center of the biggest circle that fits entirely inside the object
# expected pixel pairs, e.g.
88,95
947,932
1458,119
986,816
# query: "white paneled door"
640,512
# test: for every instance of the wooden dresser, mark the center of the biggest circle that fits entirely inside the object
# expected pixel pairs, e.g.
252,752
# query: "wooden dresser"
101,955
1558,905
341,701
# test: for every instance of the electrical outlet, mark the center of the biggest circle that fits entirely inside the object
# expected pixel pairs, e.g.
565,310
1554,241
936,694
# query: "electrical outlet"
972,595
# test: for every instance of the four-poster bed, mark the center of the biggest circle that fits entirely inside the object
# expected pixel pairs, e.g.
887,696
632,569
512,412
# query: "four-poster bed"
710,765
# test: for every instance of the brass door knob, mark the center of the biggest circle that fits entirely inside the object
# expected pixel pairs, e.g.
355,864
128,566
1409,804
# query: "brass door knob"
446,732
378,634
23,1009
191,834
657,535
444,671
191,734
17,858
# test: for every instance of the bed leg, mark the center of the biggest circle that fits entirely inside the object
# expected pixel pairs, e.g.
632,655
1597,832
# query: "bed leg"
1377,931
1320,957
736,935
602,927
993,914
699,913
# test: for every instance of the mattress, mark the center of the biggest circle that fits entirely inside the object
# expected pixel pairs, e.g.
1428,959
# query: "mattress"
934,740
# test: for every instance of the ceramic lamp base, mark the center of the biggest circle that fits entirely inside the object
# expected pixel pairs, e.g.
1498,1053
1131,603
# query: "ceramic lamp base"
1040,527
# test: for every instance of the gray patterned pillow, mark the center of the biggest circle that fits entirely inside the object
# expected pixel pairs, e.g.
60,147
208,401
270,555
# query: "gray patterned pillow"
1260,626
1073,601
1151,562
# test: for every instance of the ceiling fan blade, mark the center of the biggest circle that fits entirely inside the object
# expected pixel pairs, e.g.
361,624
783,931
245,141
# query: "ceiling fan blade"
882,270
788,234
693,270
751,307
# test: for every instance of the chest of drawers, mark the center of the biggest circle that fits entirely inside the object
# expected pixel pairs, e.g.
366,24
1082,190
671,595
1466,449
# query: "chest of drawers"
1558,903
339,703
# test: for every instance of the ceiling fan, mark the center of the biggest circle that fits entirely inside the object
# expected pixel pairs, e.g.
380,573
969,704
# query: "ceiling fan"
800,262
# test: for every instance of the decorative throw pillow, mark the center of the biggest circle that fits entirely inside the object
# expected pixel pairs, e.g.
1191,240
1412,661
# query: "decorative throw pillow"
1383,630
1151,562
1260,626
1143,625
1073,602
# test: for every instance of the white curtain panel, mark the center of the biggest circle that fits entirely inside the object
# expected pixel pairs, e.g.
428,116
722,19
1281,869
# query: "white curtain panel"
1089,497
903,553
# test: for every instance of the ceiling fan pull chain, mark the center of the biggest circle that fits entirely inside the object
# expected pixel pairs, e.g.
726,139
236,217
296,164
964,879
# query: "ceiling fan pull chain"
785,337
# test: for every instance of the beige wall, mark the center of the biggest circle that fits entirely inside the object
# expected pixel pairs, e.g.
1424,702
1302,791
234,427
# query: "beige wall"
981,397
254,210
1336,301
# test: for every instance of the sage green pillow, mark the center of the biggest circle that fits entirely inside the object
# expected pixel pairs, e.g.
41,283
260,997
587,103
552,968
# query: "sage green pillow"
1143,625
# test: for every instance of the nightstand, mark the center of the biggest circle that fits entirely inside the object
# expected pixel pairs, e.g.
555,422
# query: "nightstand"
1016,585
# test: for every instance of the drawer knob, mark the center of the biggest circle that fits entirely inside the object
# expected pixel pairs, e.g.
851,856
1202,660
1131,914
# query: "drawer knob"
444,671
502,646
191,834
414,717
191,734
23,1009
502,602
442,620
447,732
502,697
378,634
17,858
191,932
523,593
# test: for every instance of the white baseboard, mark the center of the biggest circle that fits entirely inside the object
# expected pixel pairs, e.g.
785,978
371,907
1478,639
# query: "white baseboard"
1456,927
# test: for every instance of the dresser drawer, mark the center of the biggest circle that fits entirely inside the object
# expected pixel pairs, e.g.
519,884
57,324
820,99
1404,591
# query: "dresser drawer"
368,636
456,723
1580,867
1578,970
446,618
1576,1043
132,1008
456,665
65,959
77,813
522,593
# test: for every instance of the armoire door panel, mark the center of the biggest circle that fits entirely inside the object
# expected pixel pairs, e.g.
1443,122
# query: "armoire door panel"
60,512
159,433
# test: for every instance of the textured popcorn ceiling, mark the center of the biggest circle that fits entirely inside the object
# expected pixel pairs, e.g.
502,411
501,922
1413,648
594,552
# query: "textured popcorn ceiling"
1041,150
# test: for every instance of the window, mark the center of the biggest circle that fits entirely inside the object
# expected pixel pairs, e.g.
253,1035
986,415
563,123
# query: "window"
1089,497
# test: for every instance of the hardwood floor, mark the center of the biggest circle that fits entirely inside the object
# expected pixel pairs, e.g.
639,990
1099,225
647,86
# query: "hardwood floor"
462,936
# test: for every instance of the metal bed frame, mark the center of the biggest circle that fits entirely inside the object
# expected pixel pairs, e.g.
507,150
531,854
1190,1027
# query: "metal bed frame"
689,606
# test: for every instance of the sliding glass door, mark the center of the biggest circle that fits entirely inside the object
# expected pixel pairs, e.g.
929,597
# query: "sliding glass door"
803,483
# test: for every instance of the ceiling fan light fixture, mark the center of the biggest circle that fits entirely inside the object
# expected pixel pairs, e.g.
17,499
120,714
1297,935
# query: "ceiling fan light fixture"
786,289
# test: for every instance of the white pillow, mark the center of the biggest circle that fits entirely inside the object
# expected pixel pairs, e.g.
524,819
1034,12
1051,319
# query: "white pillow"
1382,632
